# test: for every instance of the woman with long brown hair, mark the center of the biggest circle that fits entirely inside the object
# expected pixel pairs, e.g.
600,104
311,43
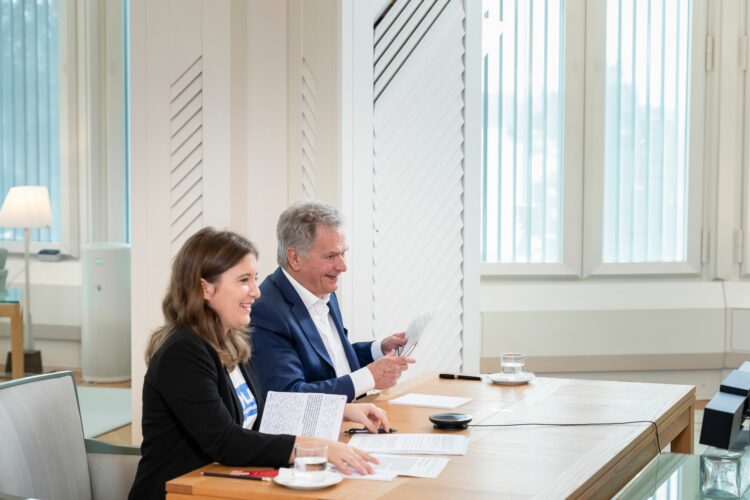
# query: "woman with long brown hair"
200,398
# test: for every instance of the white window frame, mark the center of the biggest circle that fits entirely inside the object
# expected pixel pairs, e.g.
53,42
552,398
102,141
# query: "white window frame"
69,220
742,238
594,180
570,265
585,60
101,169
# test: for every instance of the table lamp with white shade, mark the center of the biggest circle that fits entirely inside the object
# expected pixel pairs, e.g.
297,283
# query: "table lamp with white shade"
27,207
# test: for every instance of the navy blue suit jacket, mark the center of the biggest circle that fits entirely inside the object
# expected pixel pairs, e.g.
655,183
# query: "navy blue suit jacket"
288,352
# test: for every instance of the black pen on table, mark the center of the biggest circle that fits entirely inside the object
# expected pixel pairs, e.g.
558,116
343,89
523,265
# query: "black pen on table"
459,376
365,431
234,476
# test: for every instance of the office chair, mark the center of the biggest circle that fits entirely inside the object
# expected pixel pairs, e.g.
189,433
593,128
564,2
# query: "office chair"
43,453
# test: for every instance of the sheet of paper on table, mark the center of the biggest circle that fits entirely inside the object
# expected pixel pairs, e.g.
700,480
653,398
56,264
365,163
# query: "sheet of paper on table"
377,475
429,401
411,444
426,467
391,466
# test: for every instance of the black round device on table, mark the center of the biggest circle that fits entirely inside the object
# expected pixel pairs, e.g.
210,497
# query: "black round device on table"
450,421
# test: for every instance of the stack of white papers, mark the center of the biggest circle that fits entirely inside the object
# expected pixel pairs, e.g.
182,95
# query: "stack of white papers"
418,444
429,401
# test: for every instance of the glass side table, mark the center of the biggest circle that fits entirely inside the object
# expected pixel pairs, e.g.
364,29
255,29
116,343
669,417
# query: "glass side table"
668,476
10,307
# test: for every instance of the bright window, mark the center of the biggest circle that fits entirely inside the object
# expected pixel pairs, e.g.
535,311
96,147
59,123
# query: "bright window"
646,131
30,105
592,136
523,131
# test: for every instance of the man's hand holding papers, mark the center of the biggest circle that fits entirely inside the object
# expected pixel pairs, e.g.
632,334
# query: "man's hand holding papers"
387,370
395,341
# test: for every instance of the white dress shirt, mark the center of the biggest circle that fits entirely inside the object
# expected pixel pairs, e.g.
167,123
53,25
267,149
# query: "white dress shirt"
318,308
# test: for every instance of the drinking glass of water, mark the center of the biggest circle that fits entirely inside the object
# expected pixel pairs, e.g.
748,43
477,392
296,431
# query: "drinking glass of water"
310,463
512,363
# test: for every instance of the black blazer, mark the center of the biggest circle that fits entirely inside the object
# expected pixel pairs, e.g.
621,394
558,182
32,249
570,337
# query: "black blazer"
192,417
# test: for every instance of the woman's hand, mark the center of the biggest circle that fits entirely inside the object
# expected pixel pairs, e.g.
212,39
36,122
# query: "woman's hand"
368,415
341,455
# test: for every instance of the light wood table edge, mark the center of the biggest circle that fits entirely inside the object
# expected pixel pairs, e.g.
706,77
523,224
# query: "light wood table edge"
15,313
268,489
682,438
180,496
624,466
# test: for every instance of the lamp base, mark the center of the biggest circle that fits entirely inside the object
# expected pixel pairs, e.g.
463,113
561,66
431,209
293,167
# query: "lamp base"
32,362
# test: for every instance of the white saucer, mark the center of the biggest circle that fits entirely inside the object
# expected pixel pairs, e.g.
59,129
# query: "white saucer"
511,378
287,479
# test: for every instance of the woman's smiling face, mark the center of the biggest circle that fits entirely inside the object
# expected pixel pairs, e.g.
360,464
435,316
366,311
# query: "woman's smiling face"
233,294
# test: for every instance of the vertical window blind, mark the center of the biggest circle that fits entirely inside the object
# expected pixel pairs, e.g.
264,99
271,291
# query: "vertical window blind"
30,105
645,137
646,131
523,48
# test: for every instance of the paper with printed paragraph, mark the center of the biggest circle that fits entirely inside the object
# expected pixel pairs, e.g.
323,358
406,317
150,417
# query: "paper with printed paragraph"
416,444
301,414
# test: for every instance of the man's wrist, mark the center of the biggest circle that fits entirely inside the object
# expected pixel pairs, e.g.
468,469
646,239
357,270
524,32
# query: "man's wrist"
376,349
363,381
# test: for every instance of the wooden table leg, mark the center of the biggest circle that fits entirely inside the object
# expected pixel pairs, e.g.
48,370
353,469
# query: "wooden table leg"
683,442
16,335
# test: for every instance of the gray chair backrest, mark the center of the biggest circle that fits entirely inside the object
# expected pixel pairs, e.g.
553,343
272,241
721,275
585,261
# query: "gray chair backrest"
42,450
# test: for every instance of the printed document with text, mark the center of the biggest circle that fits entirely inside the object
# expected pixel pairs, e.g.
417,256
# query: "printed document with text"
427,444
302,414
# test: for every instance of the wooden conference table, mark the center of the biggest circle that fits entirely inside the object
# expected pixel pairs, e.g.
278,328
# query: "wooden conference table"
523,461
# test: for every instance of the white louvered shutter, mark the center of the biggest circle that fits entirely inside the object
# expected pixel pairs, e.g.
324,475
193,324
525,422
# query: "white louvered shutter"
186,155
418,175
308,128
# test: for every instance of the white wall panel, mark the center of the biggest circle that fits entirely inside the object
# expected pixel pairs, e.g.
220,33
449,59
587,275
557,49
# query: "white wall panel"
313,79
606,332
180,118
267,140
418,175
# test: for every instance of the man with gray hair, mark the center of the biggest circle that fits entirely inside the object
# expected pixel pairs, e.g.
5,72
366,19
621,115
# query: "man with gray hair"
298,336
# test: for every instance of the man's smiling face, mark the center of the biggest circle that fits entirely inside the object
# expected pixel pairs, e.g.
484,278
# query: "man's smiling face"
318,269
